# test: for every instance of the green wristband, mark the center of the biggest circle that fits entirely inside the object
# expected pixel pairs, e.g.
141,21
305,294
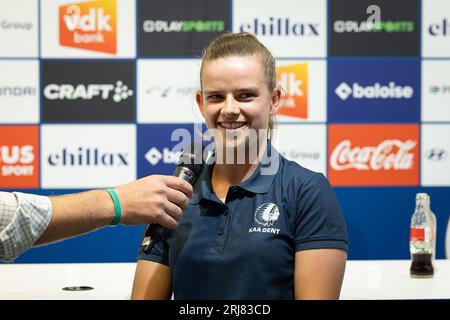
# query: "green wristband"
117,207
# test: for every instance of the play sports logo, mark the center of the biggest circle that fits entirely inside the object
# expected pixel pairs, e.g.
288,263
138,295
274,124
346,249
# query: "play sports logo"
294,80
89,25
375,91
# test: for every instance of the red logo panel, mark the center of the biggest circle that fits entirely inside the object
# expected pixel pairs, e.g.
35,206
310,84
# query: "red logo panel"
373,155
19,157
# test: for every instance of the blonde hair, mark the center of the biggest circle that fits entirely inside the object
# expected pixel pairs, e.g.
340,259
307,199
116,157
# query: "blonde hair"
242,44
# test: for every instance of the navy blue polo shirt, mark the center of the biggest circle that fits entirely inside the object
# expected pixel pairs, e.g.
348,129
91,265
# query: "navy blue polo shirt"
245,248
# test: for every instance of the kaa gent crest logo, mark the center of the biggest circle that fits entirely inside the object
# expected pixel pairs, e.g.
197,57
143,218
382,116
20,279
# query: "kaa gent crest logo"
266,215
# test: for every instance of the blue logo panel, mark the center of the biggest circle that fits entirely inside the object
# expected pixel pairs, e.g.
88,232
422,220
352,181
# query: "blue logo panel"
373,91
158,146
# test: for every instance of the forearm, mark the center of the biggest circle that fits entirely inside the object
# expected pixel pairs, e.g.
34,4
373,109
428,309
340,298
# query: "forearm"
76,214
23,219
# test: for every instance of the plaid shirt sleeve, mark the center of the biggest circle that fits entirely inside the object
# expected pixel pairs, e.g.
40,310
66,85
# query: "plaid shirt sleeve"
23,219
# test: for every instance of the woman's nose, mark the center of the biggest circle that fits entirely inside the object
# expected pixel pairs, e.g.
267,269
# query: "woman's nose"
230,107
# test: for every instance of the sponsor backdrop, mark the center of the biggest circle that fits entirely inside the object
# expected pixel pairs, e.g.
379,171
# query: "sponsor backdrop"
94,94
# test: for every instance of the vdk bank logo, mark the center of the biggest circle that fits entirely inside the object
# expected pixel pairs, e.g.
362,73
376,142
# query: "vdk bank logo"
294,81
89,25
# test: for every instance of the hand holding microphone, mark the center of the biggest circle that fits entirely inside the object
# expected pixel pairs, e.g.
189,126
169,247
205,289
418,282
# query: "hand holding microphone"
155,199
188,169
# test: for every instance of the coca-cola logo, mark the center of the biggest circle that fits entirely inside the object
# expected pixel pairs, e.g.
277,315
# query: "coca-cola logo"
390,154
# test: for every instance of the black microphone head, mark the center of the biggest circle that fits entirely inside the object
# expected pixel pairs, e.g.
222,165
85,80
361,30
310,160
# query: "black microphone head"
192,157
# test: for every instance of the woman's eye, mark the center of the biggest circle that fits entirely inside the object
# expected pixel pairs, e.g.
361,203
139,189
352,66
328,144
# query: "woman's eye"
214,97
247,95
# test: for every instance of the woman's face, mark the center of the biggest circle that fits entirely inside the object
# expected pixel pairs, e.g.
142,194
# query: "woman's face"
236,100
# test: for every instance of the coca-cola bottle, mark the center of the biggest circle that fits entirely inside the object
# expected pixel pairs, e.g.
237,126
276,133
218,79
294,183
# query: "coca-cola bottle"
422,241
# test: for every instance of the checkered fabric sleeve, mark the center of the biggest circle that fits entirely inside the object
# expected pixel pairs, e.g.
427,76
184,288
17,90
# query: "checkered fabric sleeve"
23,219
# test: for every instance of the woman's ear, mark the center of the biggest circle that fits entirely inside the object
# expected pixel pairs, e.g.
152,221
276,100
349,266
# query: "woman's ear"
275,101
198,98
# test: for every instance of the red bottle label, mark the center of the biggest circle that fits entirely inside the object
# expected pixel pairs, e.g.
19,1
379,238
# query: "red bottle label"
417,234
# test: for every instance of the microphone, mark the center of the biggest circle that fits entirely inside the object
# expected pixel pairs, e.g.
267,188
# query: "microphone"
189,167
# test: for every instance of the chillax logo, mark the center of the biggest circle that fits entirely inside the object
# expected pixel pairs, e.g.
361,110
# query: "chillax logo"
280,27
376,91
88,157
19,160
118,92
373,154
294,81
89,25
184,26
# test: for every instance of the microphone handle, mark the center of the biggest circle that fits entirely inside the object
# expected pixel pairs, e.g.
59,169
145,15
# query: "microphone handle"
156,232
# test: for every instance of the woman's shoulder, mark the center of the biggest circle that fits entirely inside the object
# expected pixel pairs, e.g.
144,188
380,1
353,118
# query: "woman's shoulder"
299,175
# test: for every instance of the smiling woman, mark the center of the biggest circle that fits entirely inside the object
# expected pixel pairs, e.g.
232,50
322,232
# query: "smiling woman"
247,233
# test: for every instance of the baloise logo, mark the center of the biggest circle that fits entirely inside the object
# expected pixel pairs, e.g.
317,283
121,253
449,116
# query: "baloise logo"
117,92
154,156
376,91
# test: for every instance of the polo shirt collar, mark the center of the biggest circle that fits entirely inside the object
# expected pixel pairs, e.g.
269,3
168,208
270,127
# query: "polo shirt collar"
257,183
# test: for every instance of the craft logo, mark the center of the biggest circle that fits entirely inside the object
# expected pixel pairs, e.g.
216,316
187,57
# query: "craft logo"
373,154
89,25
294,81
19,158
118,91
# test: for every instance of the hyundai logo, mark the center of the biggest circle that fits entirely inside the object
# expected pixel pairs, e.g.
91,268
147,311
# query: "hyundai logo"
436,154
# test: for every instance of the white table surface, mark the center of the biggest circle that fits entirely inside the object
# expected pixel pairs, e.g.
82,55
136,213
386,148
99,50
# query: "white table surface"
368,279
